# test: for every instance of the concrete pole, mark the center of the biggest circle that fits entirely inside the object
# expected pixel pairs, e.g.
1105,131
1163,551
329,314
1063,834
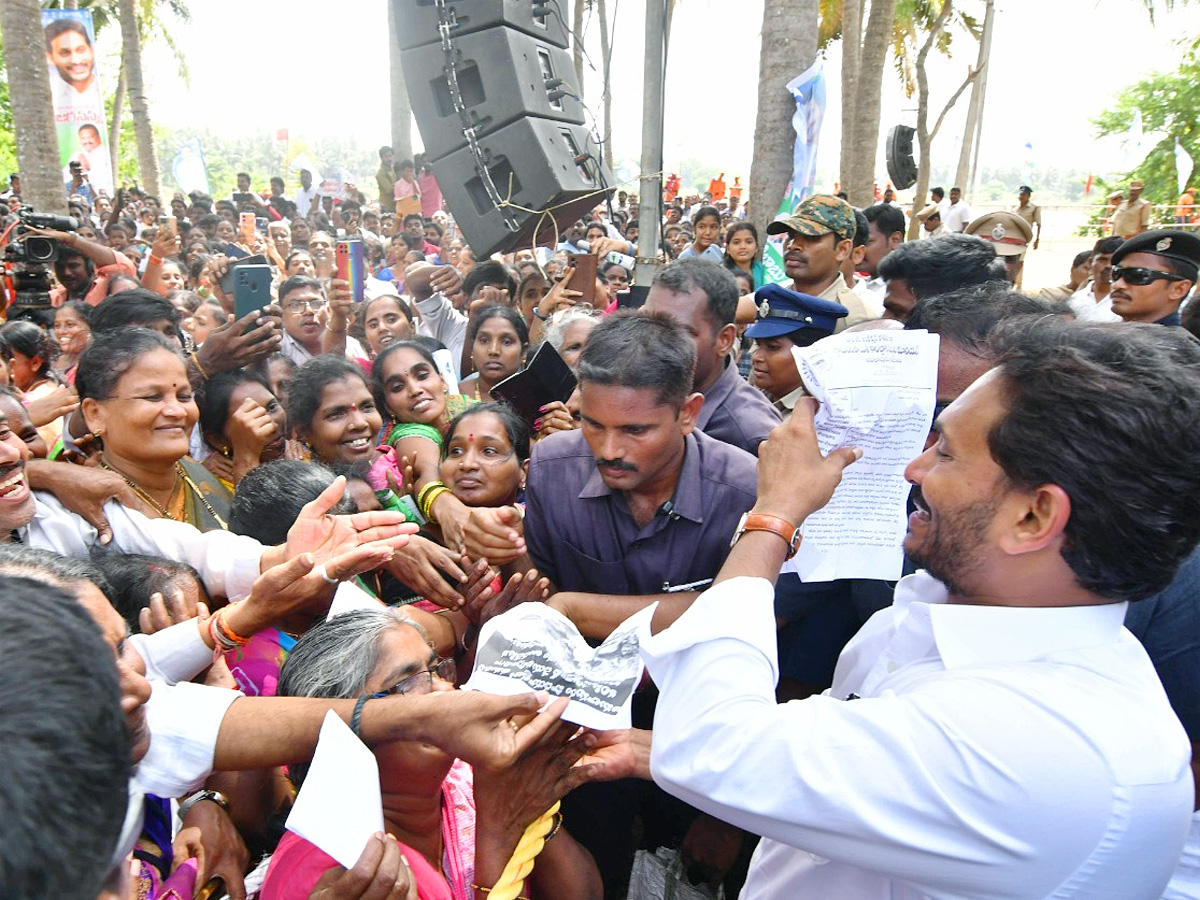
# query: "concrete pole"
650,184
980,89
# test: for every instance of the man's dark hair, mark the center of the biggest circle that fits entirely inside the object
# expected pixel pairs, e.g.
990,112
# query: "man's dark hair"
133,578
430,223
1106,412
695,274
65,738
489,272
943,263
1107,246
385,150
938,192
888,219
641,350
241,175
296,282
269,498
969,315
136,307
420,218
1081,257
61,26
862,229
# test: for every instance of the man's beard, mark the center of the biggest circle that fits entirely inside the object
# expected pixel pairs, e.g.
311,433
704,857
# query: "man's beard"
950,551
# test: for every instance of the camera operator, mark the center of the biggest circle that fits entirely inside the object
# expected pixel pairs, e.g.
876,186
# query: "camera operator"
83,267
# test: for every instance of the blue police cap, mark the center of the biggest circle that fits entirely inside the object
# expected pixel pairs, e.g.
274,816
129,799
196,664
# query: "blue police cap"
781,312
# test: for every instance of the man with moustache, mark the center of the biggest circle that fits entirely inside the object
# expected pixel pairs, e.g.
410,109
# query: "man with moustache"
635,506
820,237
1011,639
1153,273
71,56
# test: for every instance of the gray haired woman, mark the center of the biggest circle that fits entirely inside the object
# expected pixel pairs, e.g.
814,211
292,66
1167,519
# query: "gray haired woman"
457,829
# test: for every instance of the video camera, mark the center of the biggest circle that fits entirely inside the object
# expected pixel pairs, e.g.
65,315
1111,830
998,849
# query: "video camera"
27,261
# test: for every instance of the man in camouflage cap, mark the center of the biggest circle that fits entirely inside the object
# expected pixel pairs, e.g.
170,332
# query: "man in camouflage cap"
820,236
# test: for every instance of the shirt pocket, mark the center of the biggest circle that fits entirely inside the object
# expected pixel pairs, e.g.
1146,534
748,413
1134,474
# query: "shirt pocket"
586,573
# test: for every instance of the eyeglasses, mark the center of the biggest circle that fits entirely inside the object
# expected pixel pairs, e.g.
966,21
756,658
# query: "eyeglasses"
316,304
1139,276
422,682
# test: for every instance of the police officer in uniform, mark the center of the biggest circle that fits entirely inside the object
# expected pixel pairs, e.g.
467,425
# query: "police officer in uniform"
1010,235
1153,273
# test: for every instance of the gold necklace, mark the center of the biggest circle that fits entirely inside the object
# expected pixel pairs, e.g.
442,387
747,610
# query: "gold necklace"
180,474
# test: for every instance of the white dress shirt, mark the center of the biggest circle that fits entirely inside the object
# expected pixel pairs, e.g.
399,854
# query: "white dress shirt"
995,752
870,291
956,216
228,563
1088,309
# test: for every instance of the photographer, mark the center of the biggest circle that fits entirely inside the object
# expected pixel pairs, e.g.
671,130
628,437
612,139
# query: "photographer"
83,267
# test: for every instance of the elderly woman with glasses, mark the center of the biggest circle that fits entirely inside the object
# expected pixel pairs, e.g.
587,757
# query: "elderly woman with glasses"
456,829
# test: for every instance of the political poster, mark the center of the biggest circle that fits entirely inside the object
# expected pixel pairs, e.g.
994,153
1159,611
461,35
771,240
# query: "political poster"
75,94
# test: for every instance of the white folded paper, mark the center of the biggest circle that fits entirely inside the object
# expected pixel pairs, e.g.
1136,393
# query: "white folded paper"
339,806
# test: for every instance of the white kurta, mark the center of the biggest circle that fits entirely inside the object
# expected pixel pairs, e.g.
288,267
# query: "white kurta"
994,753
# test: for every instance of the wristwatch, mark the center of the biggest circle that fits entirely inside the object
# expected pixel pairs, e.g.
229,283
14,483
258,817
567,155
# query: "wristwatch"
215,796
775,525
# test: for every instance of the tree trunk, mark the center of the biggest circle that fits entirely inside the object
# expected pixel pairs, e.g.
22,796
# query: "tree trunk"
851,54
70,4
114,127
32,107
401,108
865,145
789,46
132,55
577,45
605,52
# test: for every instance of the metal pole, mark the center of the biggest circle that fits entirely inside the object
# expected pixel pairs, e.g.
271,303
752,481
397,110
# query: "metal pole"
650,183
962,176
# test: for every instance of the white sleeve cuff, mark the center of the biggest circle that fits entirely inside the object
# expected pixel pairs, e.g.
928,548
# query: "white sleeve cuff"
184,720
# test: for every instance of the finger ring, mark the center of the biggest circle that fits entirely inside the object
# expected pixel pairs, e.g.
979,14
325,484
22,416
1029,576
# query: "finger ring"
320,570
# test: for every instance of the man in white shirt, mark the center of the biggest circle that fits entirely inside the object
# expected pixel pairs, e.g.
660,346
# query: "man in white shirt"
306,195
995,733
957,215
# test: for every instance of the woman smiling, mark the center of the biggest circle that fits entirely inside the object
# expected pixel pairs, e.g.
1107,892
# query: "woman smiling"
135,397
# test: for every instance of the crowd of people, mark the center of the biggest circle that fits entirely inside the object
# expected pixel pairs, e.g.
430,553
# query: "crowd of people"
187,494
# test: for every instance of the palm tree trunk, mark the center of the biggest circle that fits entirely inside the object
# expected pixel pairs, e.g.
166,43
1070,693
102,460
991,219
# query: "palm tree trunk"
132,54
401,108
605,52
114,127
876,42
32,107
577,45
789,46
851,54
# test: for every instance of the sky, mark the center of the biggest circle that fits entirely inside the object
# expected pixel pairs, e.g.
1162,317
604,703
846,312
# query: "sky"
1055,65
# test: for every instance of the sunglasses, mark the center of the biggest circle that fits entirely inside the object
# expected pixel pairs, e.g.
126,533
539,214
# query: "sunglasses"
1138,276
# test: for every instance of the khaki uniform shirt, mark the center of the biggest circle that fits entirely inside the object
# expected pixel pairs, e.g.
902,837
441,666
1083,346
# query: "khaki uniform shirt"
1131,217
1031,214
839,292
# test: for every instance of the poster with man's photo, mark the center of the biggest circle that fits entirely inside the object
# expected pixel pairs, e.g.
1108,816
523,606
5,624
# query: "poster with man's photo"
78,102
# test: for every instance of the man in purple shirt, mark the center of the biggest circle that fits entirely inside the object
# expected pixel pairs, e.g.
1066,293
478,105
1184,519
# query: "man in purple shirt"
703,297
636,506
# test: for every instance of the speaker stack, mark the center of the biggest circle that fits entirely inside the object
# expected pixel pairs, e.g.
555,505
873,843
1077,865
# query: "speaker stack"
901,166
491,84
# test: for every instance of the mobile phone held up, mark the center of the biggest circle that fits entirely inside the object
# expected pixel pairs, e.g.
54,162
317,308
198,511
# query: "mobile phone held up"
251,289
350,266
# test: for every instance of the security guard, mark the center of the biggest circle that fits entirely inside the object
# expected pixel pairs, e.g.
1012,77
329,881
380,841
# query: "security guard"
1152,274
787,319
1009,234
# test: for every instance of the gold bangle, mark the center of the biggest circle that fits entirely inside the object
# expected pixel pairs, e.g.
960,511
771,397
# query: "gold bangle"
430,499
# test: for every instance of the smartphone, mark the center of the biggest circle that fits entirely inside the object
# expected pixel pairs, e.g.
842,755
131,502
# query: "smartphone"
584,279
163,220
227,279
251,289
242,197
246,225
260,222
349,256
